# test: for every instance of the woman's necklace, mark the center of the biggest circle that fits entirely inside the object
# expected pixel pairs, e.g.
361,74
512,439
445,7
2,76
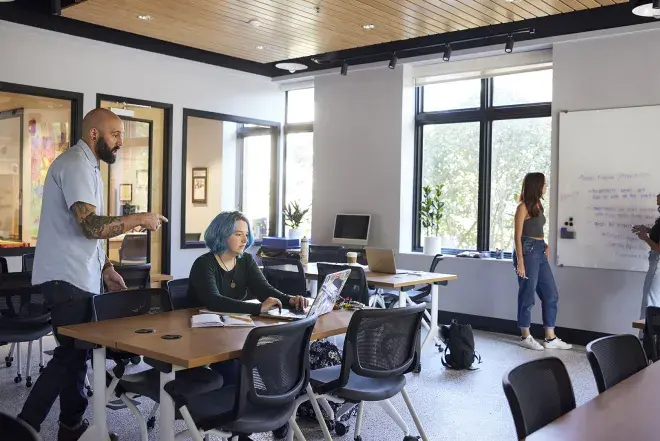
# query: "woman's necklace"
222,264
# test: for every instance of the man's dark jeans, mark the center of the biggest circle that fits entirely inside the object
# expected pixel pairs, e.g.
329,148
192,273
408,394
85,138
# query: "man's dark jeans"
64,376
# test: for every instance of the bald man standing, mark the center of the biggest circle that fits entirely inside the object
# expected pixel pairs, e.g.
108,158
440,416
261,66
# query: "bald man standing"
70,264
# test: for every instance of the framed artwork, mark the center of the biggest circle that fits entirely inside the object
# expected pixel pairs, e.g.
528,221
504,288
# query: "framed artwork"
199,181
125,192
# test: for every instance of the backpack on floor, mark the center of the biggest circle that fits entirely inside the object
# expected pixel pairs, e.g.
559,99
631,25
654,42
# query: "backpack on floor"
459,351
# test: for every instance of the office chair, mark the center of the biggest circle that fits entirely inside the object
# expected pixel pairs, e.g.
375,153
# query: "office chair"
615,358
652,333
23,318
287,275
15,429
4,268
356,285
27,261
539,392
420,293
274,368
379,349
133,248
324,253
134,303
178,289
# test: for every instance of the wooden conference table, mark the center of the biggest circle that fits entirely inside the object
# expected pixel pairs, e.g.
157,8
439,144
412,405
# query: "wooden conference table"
400,281
639,324
627,411
195,347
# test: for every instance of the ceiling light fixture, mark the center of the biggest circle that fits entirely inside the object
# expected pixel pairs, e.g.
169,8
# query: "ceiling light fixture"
260,47
508,48
393,61
144,17
447,55
368,26
291,67
648,9
254,23
344,68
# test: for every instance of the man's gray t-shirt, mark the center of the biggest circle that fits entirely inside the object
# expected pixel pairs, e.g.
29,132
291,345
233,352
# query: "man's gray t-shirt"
63,252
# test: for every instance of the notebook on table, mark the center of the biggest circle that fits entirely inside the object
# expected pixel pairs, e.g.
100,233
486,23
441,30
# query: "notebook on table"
212,319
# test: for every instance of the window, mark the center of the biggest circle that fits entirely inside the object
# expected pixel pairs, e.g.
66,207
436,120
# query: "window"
255,202
35,129
299,154
478,138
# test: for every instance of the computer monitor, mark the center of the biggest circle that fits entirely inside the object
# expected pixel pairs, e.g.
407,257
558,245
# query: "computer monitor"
351,229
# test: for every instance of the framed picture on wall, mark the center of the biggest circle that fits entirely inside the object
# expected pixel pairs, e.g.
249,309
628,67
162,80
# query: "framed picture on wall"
199,181
125,192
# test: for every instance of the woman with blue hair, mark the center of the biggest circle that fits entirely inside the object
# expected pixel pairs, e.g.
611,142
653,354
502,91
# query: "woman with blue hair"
226,277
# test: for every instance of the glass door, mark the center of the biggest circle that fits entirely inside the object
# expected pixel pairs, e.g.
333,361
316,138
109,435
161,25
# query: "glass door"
11,163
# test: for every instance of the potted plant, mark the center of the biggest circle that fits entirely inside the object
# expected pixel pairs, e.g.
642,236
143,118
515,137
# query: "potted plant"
293,216
431,212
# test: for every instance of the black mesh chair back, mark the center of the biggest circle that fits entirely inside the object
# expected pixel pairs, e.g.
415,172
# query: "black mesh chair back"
381,343
356,286
287,275
539,392
361,255
4,268
113,305
324,253
21,303
274,364
135,276
134,248
652,333
28,260
615,358
178,289
423,291
14,429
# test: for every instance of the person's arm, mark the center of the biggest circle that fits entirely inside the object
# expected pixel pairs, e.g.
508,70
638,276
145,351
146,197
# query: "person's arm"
519,219
203,278
645,237
259,286
103,227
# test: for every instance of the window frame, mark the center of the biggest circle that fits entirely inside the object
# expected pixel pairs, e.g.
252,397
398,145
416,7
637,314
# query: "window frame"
290,128
485,115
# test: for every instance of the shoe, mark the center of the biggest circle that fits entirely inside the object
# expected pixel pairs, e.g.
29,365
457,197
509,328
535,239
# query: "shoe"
556,343
72,434
530,343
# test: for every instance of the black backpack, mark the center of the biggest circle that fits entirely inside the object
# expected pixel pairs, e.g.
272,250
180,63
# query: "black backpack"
459,352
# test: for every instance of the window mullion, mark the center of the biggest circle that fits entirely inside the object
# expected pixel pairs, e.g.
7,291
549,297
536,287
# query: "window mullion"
483,210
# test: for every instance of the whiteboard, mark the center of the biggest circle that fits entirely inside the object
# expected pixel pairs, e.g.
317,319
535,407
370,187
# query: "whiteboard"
609,176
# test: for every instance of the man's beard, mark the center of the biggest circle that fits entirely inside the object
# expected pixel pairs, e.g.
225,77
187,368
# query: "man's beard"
105,151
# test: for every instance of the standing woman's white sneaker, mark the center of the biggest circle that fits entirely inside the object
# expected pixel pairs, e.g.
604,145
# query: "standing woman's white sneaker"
530,343
556,343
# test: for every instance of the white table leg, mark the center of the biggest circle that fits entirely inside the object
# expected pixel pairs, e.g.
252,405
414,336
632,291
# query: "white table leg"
166,420
99,430
403,298
433,332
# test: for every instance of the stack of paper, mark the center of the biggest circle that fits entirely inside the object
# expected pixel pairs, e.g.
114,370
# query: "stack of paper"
210,319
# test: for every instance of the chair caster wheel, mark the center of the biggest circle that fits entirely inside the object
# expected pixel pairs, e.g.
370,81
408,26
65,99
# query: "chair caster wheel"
90,392
330,424
151,423
8,363
358,438
341,428
41,368
113,436
440,348
28,382
136,360
18,379
282,432
411,438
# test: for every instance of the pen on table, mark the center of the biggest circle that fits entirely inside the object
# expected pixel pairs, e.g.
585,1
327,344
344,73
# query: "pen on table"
237,317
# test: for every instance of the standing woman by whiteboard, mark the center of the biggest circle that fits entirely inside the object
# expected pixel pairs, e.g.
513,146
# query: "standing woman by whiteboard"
530,260
651,290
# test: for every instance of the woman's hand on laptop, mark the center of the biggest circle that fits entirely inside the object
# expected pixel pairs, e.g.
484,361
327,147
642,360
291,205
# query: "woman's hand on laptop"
298,302
270,303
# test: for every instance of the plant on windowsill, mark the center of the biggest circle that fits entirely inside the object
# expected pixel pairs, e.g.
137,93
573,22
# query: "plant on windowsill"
431,212
293,217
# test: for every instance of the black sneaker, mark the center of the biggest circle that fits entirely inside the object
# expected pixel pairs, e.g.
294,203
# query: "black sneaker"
72,434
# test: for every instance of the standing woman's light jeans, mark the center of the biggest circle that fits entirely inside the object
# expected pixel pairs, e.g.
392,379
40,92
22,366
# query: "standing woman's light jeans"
651,293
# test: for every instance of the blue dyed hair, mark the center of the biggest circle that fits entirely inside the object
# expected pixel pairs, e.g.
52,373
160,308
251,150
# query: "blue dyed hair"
222,227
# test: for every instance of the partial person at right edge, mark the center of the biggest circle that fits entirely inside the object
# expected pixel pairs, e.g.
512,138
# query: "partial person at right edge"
651,236
530,260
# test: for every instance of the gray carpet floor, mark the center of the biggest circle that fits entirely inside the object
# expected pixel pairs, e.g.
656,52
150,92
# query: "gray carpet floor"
452,405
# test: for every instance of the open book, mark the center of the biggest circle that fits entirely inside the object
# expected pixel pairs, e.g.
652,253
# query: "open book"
214,319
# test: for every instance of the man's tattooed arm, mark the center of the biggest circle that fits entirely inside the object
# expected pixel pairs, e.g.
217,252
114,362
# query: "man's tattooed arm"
102,227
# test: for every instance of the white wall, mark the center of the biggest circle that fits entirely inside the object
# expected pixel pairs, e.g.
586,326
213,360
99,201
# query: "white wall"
91,67
364,165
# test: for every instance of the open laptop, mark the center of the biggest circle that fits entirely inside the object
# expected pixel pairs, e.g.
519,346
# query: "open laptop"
381,260
323,303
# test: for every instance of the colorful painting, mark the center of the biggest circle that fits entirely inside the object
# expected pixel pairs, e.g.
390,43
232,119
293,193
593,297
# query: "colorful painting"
47,142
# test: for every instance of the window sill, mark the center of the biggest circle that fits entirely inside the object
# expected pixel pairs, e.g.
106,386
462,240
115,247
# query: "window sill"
452,256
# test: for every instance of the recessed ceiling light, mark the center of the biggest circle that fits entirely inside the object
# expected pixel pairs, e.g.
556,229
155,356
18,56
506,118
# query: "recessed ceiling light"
254,23
260,47
368,26
144,17
291,67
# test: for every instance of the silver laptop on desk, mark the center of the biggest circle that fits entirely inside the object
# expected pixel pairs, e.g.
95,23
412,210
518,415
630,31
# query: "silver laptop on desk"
323,303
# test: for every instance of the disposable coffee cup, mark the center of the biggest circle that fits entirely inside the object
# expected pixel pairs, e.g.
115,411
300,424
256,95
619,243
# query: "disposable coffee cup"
351,258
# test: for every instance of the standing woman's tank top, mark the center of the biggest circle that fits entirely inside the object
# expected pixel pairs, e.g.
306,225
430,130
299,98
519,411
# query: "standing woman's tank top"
533,227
